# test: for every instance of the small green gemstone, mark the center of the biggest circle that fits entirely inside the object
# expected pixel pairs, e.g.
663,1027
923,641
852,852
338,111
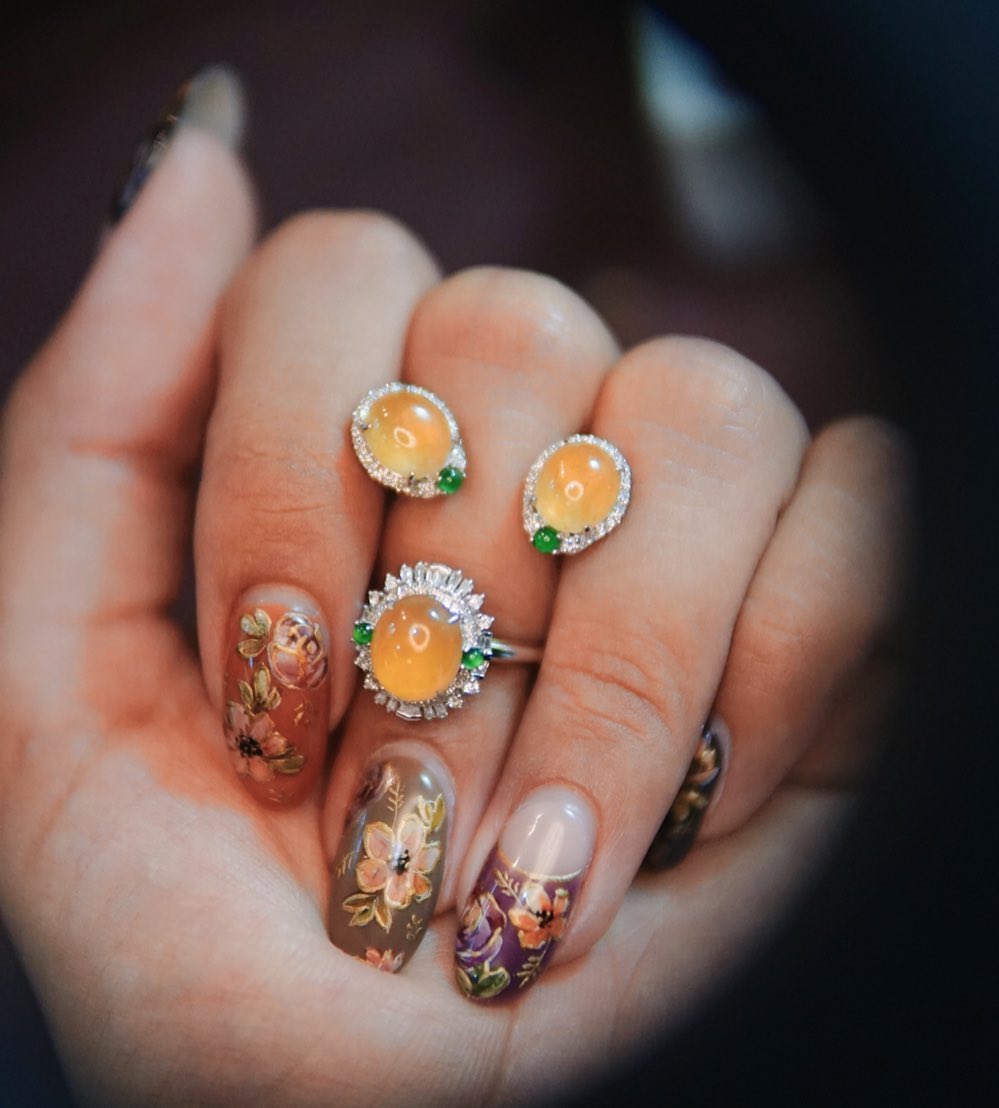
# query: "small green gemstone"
472,659
450,480
362,633
546,540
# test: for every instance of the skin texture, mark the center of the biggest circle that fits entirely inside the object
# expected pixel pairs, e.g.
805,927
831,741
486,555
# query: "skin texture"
175,928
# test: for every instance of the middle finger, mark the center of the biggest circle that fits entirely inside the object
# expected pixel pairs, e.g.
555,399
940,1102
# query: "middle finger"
519,360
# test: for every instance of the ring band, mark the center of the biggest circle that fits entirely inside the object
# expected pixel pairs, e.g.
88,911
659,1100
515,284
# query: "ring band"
505,652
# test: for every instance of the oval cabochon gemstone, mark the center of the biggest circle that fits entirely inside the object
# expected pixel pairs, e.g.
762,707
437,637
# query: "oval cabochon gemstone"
416,649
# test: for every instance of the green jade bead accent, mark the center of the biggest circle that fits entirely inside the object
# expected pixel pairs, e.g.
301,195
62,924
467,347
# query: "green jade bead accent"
449,480
362,633
546,540
472,659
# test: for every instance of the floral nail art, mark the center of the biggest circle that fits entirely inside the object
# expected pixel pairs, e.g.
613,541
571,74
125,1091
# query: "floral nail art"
509,928
679,829
387,879
276,704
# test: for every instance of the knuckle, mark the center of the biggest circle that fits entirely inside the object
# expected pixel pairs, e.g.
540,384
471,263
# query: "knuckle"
319,242
286,476
877,451
708,389
519,320
771,640
624,687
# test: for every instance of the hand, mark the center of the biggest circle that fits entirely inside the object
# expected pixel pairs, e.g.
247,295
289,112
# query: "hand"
174,922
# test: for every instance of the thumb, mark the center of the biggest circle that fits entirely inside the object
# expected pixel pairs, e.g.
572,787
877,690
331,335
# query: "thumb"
105,423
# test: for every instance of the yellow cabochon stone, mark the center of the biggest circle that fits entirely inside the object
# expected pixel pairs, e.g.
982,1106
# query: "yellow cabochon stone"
577,487
416,649
408,434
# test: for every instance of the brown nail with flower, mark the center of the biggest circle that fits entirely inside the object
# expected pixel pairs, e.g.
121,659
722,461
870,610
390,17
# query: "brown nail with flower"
388,874
276,695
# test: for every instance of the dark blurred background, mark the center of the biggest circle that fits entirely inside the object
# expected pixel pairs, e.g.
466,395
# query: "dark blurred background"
813,183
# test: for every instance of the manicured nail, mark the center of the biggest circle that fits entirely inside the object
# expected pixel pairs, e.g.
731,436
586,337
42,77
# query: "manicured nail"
388,874
520,906
679,829
276,693
213,100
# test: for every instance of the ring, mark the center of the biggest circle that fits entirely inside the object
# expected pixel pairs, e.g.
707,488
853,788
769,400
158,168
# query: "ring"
408,440
575,493
424,642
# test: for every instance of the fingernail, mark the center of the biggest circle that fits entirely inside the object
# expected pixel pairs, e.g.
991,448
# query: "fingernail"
679,829
526,892
276,694
213,100
391,860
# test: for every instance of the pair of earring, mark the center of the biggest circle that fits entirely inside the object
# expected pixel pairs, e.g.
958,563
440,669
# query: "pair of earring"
575,493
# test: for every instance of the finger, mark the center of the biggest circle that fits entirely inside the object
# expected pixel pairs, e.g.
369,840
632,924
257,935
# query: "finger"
519,360
104,426
850,737
825,594
287,520
635,649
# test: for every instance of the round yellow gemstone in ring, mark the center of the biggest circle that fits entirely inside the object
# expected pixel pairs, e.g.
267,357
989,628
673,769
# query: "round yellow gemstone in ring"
577,487
416,649
408,434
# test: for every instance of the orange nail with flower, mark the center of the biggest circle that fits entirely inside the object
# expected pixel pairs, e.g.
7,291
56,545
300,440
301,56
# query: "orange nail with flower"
276,692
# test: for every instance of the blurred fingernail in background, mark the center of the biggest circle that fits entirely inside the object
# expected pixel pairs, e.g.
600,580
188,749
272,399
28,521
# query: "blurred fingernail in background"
679,829
275,714
213,100
521,904
388,870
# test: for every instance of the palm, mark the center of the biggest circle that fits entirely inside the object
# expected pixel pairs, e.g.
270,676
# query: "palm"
155,891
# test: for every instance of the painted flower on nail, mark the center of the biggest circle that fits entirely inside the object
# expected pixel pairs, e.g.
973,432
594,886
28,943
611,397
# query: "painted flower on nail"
297,653
296,649
397,863
539,918
257,748
254,744
481,933
385,960
480,940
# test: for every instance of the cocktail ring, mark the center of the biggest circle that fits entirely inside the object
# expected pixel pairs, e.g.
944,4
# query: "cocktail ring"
408,440
424,642
575,493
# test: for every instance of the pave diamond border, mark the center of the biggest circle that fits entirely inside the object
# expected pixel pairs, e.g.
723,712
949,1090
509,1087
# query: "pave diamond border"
571,542
407,484
455,592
